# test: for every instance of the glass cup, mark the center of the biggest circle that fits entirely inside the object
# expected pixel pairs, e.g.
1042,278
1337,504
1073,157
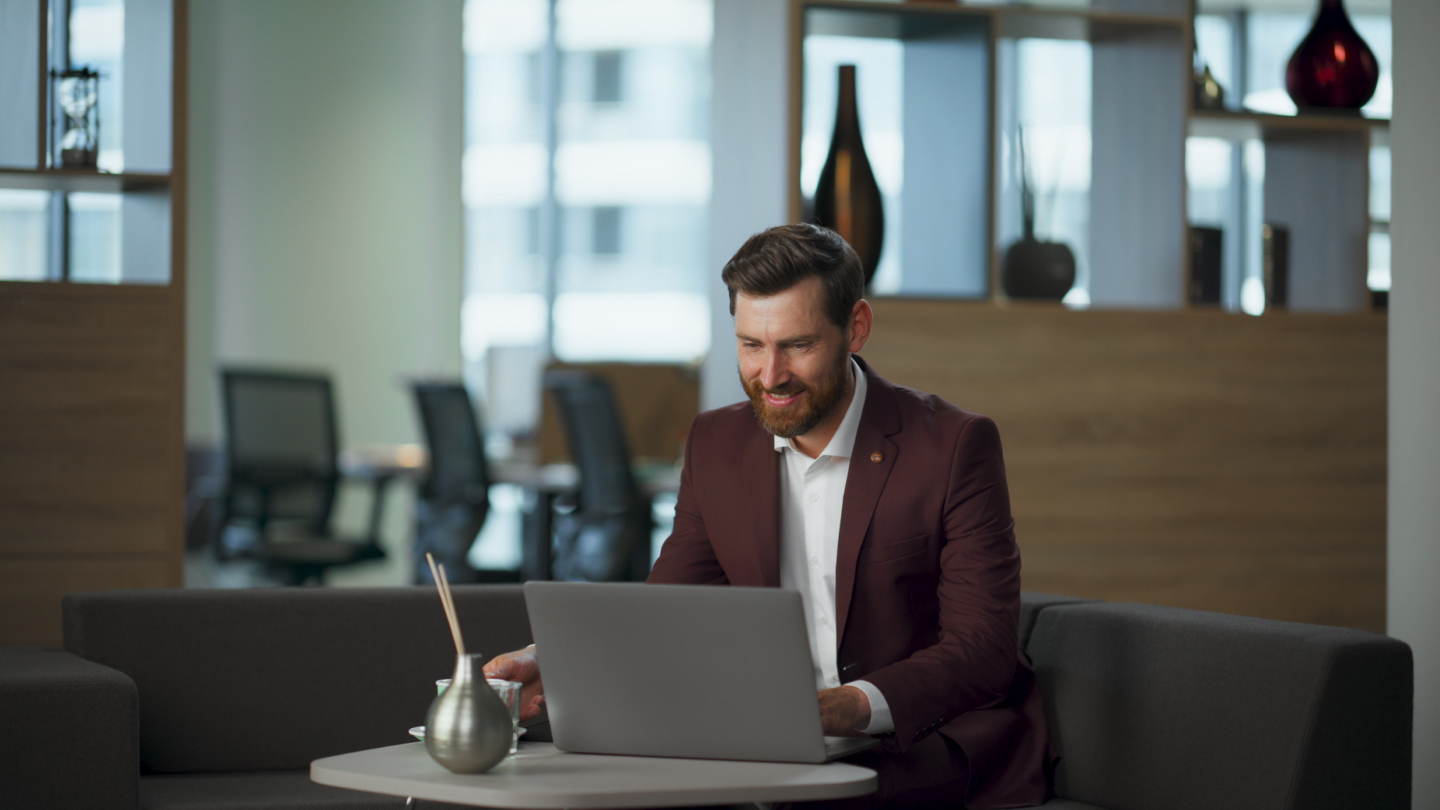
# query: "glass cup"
509,693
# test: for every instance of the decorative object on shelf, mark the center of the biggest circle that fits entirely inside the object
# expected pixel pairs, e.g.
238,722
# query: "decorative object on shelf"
1032,268
1275,263
1206,93
847,199
1332,68
1205,262
77,97
468,728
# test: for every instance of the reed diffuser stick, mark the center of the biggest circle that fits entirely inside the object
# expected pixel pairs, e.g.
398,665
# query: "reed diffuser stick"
442,585
450,598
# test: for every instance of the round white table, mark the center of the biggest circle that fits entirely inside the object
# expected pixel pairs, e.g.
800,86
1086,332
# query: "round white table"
539,777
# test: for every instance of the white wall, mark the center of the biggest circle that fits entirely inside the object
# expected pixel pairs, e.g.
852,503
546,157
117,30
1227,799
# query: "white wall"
749,116
325,211
1414,492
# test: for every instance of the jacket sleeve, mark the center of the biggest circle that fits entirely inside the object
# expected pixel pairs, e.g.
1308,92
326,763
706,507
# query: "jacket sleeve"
972,663
687,558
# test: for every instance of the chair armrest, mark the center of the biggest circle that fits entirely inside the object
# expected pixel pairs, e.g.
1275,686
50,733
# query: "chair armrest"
71,733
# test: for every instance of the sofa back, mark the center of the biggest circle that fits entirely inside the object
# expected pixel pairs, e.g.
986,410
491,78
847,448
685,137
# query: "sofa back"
270,679
1032,602
1155,707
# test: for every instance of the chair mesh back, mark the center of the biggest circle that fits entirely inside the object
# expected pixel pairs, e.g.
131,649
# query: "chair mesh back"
281,441
458,471
596,436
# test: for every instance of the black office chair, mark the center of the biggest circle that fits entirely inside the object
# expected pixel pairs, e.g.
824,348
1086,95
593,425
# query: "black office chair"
607,537
283,475
454,498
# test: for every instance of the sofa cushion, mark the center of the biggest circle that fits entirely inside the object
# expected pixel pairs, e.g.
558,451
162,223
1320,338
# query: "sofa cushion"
62,717
1154,707
271,679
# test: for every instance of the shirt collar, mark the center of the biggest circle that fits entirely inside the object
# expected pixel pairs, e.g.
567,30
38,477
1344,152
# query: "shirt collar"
842,444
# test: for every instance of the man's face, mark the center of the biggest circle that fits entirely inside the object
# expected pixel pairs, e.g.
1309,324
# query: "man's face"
792,358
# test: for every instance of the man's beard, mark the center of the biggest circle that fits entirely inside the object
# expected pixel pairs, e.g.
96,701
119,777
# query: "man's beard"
797,420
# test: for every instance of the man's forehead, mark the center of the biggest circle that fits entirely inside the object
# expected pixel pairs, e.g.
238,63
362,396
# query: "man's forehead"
804,300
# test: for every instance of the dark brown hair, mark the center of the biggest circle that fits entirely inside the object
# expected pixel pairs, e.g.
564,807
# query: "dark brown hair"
774,260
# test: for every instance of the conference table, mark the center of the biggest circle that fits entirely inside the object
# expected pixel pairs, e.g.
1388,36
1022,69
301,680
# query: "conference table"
540,777
544,483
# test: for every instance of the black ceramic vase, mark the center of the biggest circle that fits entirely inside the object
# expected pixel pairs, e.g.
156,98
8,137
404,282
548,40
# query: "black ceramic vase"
1035,269
1032,268
847,199
1332,67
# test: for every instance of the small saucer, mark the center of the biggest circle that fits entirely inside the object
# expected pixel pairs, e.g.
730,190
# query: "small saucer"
418,733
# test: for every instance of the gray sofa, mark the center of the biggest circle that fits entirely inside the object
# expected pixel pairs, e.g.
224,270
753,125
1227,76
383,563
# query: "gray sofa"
218,700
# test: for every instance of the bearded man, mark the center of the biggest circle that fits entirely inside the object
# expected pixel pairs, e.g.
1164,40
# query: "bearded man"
887,510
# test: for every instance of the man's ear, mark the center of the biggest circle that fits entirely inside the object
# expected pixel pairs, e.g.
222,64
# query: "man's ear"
861,320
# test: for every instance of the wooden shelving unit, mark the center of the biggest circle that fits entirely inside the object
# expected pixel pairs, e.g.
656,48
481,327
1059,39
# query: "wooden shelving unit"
78,180
93,373
955,93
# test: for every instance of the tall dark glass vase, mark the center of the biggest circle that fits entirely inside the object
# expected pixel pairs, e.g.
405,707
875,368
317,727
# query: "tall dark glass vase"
847,200
1332,68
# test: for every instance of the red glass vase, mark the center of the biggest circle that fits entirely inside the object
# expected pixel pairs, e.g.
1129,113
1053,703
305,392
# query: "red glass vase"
1333,67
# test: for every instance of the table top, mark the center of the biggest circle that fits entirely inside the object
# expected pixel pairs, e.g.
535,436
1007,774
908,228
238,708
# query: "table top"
409,461
540,777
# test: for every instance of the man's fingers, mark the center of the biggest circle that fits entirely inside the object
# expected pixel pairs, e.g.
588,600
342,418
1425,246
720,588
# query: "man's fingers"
499,668
532,708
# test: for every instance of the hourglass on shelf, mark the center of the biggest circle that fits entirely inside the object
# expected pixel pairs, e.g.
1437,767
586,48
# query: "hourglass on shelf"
77,113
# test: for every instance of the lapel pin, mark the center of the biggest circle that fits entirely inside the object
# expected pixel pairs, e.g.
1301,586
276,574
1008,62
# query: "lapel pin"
876,457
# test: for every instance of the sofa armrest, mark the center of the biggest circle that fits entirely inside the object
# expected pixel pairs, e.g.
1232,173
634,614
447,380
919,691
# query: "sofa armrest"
71,733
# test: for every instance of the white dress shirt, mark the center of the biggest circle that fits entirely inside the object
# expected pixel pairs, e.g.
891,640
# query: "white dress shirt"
812,492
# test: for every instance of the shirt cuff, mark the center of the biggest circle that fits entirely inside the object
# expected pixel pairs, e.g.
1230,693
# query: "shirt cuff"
880,720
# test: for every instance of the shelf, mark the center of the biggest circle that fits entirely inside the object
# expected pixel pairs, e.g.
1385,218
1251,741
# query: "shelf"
1243,125
850,18
79,180
1081,24
911,21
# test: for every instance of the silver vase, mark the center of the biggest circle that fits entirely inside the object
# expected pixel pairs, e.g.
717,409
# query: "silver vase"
468,728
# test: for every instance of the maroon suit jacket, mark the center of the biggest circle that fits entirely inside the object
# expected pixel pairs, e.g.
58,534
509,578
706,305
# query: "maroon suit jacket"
927,580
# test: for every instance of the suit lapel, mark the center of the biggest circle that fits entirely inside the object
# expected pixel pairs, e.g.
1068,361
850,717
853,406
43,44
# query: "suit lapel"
761,469
866,480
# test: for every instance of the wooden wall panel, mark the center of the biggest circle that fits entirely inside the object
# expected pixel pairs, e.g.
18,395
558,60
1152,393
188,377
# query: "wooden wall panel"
657,401
31,588
91,446
1197,459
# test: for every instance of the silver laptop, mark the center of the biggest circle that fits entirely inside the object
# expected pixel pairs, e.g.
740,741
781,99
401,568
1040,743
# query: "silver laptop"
680,671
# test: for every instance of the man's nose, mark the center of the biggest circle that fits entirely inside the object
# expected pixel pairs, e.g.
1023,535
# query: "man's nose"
774,373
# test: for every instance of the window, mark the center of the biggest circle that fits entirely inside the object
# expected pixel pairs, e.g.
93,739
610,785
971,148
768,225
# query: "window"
605,230
607,77
587,186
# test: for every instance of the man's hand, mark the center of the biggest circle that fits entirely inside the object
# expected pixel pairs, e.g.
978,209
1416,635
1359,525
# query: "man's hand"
521,666
843,711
